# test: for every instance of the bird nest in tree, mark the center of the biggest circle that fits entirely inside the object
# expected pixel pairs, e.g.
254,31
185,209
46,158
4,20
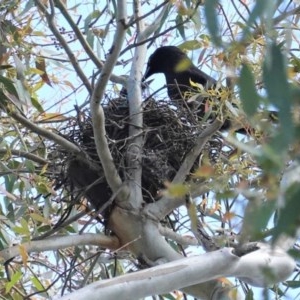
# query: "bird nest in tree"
170,131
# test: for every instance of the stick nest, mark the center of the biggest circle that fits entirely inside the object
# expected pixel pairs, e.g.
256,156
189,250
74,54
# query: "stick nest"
169,131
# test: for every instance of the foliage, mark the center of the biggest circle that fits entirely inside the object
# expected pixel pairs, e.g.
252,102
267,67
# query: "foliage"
52,57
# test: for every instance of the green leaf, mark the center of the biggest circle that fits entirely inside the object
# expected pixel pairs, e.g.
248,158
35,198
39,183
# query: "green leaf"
212,21
176,190
261,213
250,98
20,68
23,229
270,159
38,217
8,85
279,92
295,61
294,284
275,78
14,279
37,105
196,18
10,181
28,6
43,228
289,219
90,36
257,12
37,284
70,229
190,45
4,239
30,166
163,20
249,295
180,27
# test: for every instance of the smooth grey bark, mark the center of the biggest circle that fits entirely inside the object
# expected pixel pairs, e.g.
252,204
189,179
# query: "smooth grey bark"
181,273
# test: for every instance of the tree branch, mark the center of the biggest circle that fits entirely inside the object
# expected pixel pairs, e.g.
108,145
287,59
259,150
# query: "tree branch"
64,44
135,148
139,18
98,63
28,155
260,29
164,206
78,34
195,151
60,242
182,273
97,112
180,239
155,25
45,133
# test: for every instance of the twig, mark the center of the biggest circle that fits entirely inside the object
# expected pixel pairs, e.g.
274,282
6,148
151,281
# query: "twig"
194,153
164,206
45,133
64,44
28,155
59,242
182,240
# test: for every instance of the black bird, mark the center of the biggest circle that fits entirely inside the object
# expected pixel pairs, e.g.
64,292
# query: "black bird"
179,71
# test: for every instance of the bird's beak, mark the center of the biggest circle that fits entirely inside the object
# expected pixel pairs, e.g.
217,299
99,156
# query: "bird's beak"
147,74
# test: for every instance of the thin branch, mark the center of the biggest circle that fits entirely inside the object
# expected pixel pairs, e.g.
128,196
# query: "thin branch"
28,155
155,25
182,240
258,31
194,153
97,112
98,63
139,18
286,14
185,273
60,242
45,133
64,44
59,225
17,172
164,206
153,37
238,11
227,21
89,51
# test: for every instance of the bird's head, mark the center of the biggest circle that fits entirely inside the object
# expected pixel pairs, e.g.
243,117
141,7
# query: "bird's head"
167,59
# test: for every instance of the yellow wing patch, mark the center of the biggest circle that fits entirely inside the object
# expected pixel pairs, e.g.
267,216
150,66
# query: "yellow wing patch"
182,65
